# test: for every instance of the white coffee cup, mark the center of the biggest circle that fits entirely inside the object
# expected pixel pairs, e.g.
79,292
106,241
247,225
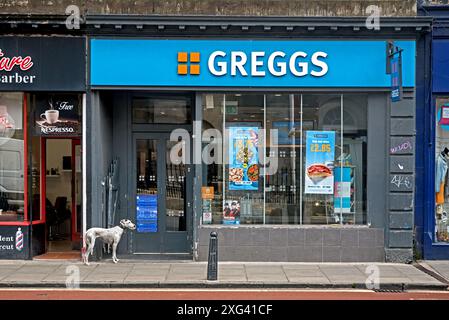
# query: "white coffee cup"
51,116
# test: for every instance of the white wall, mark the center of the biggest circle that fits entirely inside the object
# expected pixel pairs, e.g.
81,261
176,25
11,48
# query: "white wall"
58,186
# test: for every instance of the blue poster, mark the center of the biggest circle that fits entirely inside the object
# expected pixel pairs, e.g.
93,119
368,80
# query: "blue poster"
320,154
243,158
396,78
342,197
286,132
146,207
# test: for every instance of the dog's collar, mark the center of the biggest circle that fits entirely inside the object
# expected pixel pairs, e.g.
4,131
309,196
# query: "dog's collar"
122,227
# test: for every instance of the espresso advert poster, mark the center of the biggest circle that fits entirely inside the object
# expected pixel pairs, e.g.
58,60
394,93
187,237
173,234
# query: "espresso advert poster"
57,115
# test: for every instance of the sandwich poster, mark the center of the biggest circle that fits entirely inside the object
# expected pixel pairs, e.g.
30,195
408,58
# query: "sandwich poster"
320,154
243,158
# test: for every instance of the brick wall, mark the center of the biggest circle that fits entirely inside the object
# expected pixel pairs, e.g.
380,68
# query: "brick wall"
294,243
214,7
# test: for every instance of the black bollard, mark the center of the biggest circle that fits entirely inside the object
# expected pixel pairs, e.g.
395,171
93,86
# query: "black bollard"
212,262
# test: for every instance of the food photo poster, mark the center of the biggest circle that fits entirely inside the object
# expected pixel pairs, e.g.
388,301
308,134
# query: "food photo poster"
320,154
243,158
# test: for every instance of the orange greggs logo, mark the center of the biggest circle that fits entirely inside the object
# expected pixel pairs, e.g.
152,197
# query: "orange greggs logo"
188,63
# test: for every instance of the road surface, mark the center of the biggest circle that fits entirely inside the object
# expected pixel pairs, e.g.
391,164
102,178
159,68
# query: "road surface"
175,294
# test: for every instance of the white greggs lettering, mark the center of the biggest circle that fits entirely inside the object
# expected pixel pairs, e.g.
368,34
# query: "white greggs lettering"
277,64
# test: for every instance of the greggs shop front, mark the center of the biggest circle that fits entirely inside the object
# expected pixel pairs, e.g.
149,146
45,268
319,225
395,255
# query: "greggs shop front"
290,149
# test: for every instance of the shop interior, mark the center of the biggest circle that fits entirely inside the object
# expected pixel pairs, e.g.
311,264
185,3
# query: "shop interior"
61,186
441,172
12,205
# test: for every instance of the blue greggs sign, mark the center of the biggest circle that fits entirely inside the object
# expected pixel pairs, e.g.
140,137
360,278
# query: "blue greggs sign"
245,63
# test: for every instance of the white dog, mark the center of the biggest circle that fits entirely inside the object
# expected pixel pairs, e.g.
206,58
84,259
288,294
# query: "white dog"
110,236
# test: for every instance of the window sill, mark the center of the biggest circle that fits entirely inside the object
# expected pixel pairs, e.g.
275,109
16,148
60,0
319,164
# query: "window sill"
14,223
290,226
440,244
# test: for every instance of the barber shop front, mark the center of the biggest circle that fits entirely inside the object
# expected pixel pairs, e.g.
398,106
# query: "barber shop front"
290,149
42,85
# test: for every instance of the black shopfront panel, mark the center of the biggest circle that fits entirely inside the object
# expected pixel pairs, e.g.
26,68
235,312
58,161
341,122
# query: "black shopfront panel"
42,64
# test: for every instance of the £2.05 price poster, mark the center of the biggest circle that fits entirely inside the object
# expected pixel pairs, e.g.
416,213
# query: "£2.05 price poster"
320,154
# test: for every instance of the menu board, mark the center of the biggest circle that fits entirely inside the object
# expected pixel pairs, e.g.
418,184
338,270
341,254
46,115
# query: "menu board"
320,154
243,158
146,207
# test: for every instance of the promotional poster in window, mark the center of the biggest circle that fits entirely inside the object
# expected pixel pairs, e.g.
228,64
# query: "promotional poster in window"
243,158
231,212
57,115
320,153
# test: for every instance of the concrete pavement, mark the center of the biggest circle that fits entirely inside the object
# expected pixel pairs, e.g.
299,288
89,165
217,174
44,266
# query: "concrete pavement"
145,274
439,269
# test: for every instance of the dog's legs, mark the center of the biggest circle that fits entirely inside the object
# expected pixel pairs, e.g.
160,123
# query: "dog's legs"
114,252
90,248
86,252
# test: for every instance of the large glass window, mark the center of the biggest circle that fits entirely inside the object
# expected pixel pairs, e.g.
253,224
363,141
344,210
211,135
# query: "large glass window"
441,172
11,157
162,109
284,158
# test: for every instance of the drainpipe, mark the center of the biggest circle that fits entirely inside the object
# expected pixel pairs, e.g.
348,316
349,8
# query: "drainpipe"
84,173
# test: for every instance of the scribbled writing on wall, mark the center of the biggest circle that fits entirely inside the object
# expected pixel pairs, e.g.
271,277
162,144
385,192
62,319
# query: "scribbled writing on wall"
401,181
407,145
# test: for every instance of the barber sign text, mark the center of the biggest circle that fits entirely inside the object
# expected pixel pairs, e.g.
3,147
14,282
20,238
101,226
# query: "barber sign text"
7,64
15,63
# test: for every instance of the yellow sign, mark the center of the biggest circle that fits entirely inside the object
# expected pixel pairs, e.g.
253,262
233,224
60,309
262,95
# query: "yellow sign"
207,192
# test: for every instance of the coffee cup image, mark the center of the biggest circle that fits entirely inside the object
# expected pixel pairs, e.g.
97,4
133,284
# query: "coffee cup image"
51,116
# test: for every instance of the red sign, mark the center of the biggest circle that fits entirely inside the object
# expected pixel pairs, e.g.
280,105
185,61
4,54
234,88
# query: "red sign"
444,119
7,64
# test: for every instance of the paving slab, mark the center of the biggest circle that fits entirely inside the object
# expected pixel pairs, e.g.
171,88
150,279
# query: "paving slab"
441,268
232,278
20,277
309,280
384,271
270,278
37,269
151,267
181,277
303,273
137,279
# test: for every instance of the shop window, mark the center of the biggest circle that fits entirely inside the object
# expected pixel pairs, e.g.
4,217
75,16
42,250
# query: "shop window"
50,115
286,159
162,109
212,171
11,157
36,211
441,172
